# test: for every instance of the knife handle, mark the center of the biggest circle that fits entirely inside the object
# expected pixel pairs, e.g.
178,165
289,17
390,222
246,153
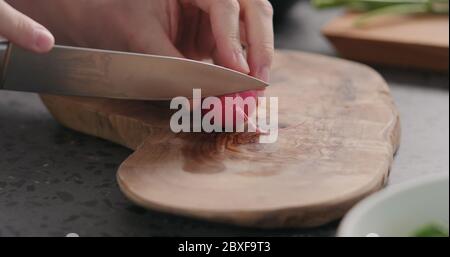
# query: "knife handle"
4,46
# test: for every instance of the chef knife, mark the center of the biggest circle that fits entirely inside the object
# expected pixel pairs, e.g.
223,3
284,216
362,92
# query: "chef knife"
111,74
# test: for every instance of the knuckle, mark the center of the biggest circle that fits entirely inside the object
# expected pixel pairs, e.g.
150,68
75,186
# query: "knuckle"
264,6
230,5
264,46
235,39
23,25
265,51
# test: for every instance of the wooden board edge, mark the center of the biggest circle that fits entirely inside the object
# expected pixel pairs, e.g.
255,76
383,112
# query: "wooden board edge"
392,54
295,217
356,48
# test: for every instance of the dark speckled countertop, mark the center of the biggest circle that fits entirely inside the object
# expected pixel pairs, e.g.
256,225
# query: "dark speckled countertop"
54,181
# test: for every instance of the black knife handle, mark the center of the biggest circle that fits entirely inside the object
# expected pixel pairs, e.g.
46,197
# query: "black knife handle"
4,45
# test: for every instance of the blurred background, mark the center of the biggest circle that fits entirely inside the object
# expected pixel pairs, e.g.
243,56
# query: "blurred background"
298,25
281,8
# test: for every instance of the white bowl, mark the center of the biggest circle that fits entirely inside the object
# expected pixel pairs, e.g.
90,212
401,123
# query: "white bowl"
400,210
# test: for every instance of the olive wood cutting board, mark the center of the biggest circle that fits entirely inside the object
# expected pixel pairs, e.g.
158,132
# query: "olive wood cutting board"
339,130
419,42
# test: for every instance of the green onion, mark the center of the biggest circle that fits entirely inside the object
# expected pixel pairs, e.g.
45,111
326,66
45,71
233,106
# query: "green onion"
373,8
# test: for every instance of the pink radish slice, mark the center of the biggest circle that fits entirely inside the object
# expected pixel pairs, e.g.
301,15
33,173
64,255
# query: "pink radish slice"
239,112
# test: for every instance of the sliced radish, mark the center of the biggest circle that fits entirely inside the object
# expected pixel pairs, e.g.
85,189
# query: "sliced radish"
239,111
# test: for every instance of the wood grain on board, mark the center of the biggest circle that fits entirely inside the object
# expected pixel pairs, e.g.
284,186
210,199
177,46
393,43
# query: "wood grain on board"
339,130
420,42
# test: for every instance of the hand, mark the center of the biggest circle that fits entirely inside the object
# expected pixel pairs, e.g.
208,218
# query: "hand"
196,29
23,31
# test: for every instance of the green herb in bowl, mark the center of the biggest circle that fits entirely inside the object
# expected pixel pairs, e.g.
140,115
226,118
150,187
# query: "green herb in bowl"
431,231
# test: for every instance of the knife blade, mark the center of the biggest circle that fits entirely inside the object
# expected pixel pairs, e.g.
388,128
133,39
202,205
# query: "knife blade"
111,74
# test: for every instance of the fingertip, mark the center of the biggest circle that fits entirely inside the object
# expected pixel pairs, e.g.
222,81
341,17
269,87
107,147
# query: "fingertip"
231,59
263,73
43,40
241,63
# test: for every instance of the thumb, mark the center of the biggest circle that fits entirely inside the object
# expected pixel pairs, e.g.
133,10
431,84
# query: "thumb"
23,31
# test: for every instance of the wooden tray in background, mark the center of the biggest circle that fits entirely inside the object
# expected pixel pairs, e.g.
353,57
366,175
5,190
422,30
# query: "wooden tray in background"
420,42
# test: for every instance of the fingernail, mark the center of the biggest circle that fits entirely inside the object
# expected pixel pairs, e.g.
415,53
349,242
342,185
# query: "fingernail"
43,40
263,73
242,62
